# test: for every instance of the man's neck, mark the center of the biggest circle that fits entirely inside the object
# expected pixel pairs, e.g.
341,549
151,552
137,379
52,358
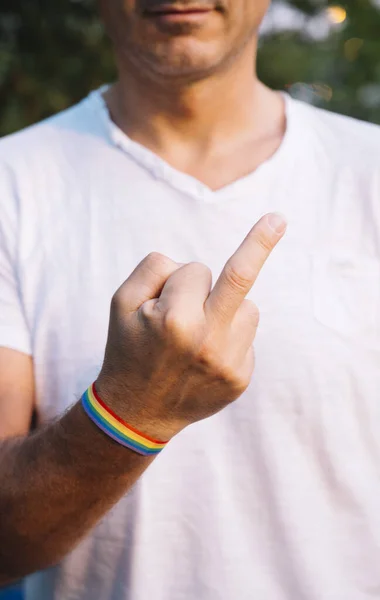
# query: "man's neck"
204,123
210,111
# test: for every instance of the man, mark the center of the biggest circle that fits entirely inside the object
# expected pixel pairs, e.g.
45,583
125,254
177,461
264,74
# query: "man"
277,496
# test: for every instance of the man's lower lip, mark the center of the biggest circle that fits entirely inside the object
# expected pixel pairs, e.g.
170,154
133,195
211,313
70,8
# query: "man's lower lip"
177,17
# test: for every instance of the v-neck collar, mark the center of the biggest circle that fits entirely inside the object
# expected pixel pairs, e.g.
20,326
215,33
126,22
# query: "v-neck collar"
162,170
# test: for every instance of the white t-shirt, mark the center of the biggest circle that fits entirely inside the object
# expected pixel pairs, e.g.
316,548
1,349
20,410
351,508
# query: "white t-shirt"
278,496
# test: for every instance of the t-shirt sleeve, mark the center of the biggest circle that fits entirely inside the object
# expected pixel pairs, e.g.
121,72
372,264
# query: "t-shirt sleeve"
14,332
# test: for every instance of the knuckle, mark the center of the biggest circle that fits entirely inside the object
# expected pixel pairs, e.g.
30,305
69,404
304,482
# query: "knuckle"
255,317
247,371
240,278
146,310
154,257
201,268
198,272
176,327
242,384
157,262
228,374
117,301
252,312
235,381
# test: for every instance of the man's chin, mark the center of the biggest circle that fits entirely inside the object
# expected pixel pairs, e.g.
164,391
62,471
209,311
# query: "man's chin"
182,59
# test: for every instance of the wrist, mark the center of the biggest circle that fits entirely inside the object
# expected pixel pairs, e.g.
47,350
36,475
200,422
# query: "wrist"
129,407
135,434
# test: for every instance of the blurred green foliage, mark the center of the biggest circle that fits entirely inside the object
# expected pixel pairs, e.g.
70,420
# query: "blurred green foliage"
53,53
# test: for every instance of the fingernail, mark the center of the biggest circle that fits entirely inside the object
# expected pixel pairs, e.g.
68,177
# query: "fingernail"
277,222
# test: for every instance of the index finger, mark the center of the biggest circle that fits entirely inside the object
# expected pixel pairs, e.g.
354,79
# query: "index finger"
243,268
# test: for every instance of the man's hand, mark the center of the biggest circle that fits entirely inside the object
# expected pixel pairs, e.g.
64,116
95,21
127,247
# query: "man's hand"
178,352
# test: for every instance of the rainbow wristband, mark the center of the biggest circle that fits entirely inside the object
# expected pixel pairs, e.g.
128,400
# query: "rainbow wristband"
116,428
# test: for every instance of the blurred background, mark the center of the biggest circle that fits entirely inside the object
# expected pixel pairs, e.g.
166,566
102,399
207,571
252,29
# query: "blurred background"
53,53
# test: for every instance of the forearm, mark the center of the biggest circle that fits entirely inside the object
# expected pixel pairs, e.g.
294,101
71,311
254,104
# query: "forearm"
54,487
